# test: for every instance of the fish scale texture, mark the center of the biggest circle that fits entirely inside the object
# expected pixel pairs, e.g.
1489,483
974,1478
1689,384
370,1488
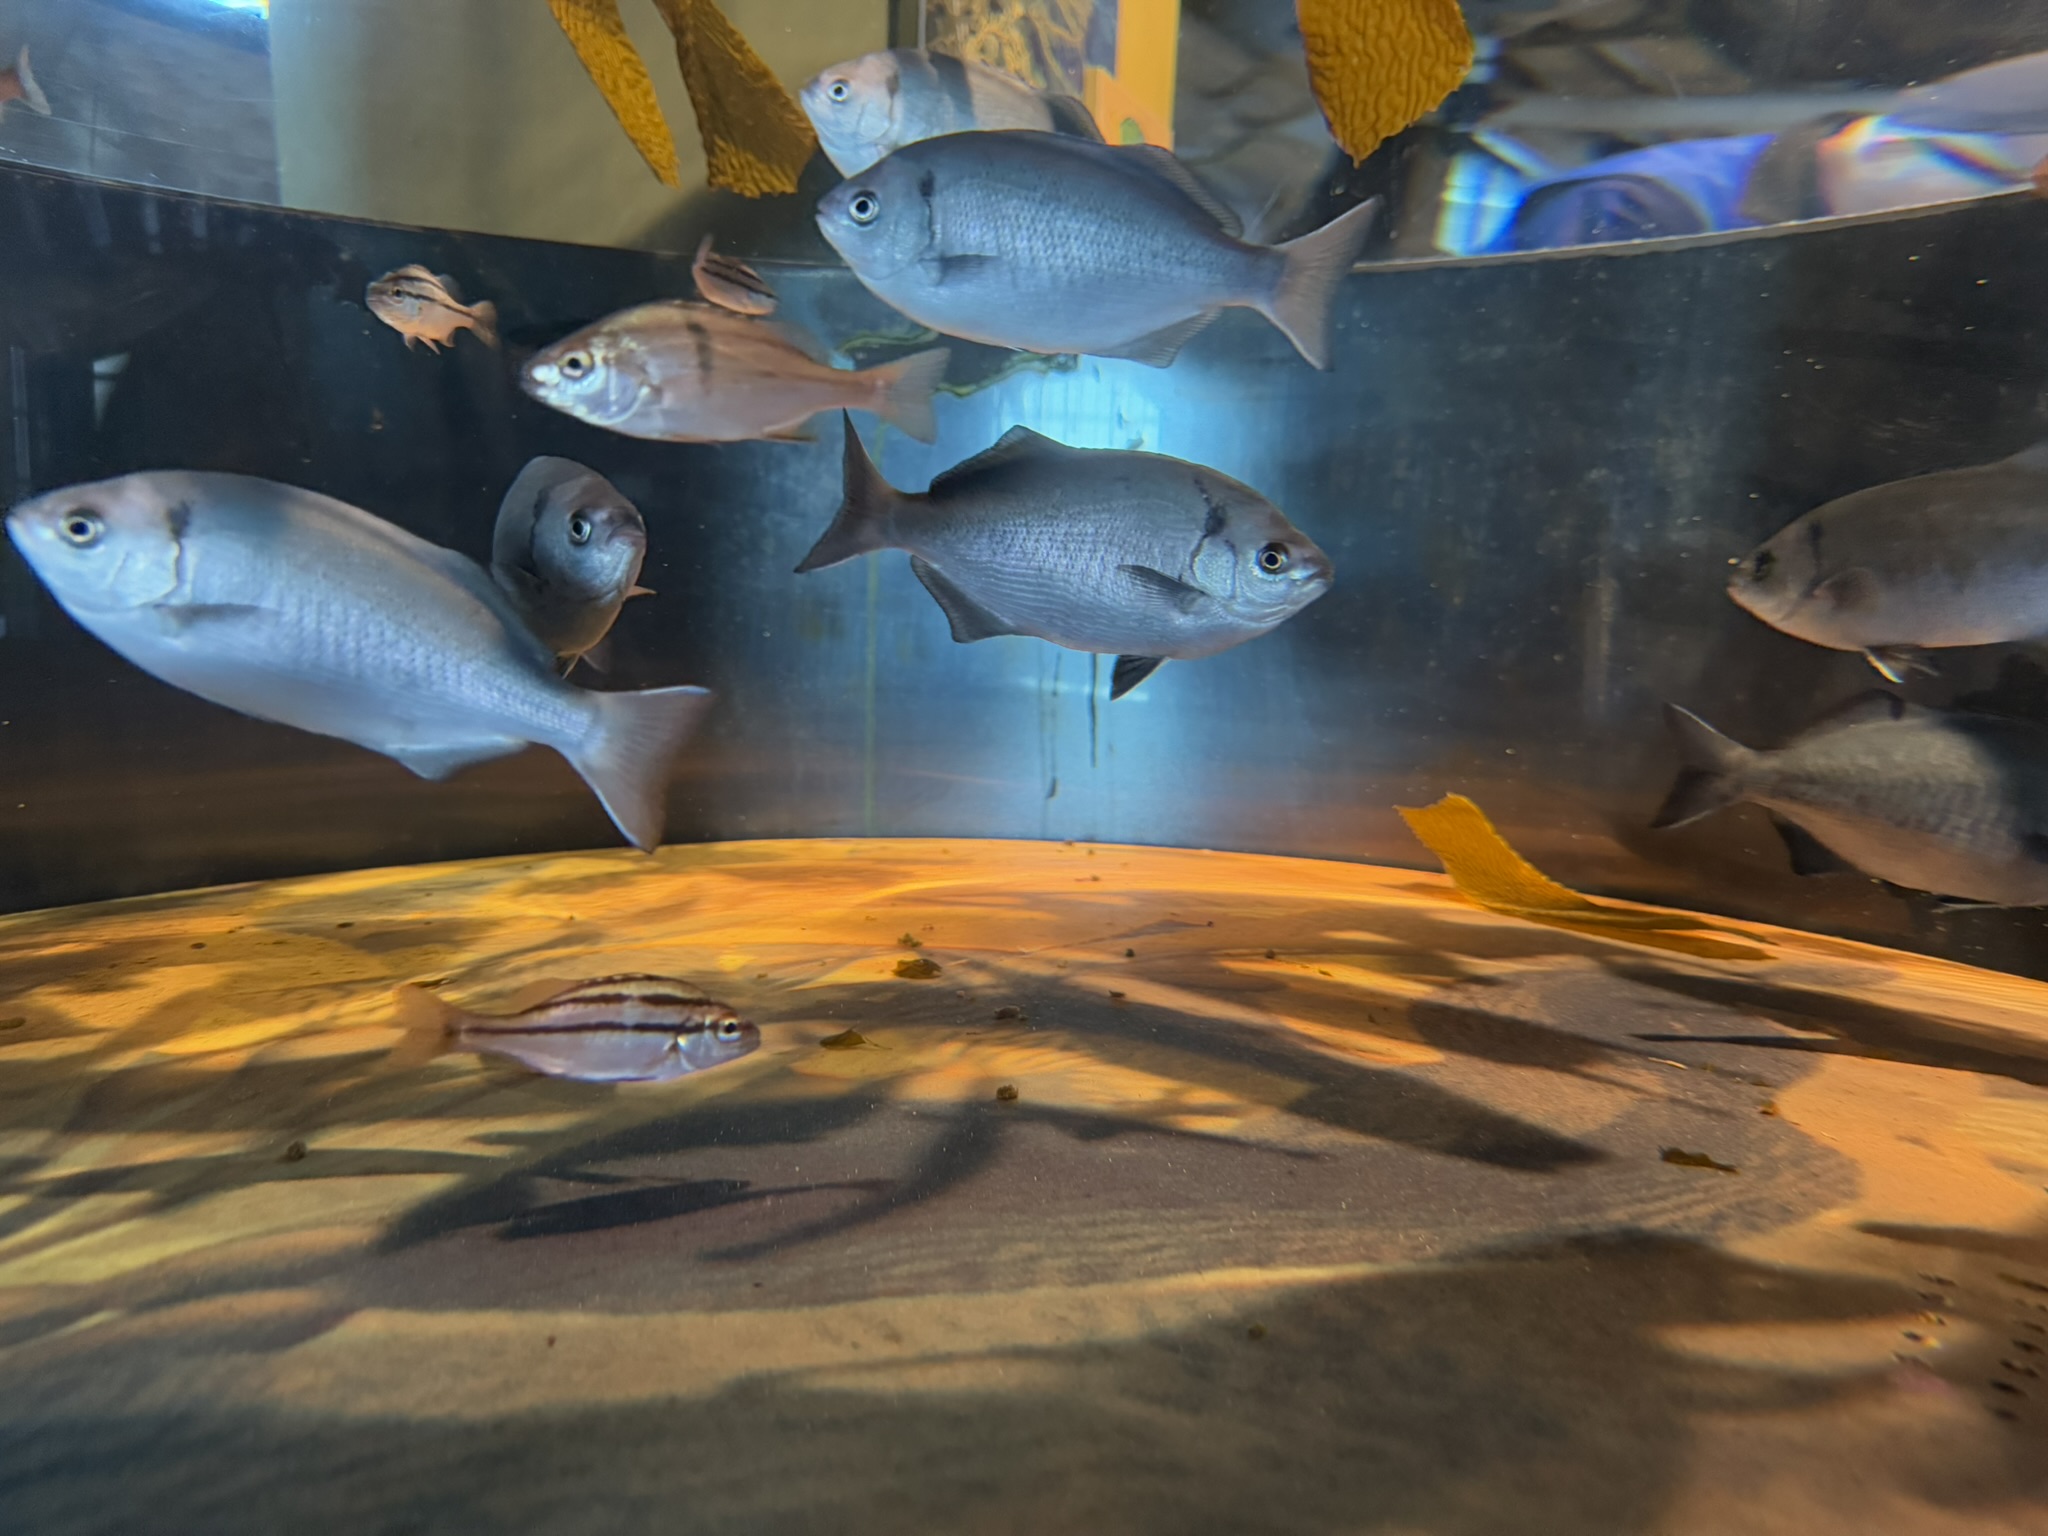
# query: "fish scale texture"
1378,65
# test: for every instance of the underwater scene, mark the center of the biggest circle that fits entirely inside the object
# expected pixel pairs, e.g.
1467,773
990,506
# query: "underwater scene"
1024,765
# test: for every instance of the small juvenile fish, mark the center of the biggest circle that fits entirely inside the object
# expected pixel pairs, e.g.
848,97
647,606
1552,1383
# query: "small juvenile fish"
1942,801
1052,244
19,84
614,1029
873,105
567,551
680,372
428,309
1135,555
1950,559
297,608
730,283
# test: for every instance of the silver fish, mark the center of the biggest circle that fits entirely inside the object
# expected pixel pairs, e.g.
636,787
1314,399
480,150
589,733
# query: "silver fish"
567,551
873,105
730,283
1053,244
293,607
427,309
1950,559
692,373
614,1029
1941,801
1134,555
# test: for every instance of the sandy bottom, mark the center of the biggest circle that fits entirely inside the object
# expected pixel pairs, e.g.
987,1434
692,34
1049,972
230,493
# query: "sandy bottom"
1325,1202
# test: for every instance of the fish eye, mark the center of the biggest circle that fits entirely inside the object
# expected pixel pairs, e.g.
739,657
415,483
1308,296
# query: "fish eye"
1761,566
576,365
579,529
865,208
81,527
729,1030
1273,559
839,90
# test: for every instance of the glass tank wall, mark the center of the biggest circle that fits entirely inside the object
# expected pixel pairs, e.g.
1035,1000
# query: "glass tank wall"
1026,1090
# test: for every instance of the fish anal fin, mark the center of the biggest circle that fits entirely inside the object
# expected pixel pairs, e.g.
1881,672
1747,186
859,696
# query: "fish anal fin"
1130,671
1158,349
1177,592
440,762
1894,663
802,434
1164,164
970,621
1810,856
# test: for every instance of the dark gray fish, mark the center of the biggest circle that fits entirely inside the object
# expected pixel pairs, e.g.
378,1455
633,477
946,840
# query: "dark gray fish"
294,607
614,1029
567,551
875,104
1134,555
1950,559
1940,801
1052,244
730,283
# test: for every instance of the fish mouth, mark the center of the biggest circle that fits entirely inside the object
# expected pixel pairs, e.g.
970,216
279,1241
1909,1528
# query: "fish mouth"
539,378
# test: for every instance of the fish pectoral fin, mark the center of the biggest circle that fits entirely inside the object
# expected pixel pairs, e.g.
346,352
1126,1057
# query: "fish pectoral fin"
790,435
1157,349
1846,591
638,591
183,617
970,621
598,657
440,762
1810,856
1131,671
1895,662
1185,599
941,270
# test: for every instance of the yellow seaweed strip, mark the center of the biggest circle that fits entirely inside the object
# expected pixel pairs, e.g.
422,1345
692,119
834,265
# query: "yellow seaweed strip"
1490,874
596,32
756,139
1377,65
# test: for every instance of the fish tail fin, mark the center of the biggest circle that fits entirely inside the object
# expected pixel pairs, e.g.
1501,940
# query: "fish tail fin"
429,1024
866,512
1711,773
31,94
903,391
483,319
1313,271
625,757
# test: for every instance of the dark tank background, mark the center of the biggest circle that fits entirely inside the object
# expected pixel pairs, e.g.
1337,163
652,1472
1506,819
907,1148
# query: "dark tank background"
1531,475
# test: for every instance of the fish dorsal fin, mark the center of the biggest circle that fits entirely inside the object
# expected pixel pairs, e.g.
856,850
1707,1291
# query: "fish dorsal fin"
1182,596
1874,707
2034,458
1017,443
1163,164
1131,671
1071,116
970,621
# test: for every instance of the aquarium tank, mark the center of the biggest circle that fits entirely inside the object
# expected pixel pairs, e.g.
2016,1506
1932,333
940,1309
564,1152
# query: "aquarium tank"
1159,766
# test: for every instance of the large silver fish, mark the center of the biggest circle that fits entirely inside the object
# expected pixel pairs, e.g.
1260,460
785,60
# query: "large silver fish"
695,373
873,105
614,1029
567,551
1941,801
1053,244
1134,555
1957,558
293,607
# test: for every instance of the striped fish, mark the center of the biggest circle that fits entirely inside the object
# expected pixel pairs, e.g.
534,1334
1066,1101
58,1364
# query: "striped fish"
614,1029
730,283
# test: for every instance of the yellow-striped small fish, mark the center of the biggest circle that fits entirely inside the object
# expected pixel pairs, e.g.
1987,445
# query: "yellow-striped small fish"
613,1029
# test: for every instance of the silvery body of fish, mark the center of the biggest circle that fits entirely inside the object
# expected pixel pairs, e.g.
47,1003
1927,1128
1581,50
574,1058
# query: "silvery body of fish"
613,1029
1134,555
297,608
1950,559
567,551
1942,801
1053,244
694,373
871,106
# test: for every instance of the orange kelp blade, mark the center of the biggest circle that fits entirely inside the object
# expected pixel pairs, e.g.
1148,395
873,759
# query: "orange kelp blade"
599,37
1490,874
1378,65
756,139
